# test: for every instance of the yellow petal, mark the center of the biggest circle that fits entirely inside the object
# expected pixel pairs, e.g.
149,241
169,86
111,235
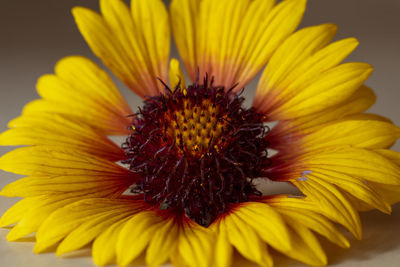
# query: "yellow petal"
291,53
329,89
306,247
301,58
103,250
16,212
133,44
196,245
391,193
355,162
65,220
223,248
162,245
183,14
246,240
135,236
367,116
359,102
175,75
80,90
48,161
55,130
231,40
93,227
359,133
300,71
331,203
306,212
267,223
151,19
177,260
356,187
391,155
278,25
37,211
319,61
36,186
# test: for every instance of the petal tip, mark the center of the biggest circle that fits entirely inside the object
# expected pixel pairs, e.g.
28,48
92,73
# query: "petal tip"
11,237
78,10
6,192
39,248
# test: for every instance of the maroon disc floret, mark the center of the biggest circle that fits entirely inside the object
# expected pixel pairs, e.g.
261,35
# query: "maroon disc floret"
196,149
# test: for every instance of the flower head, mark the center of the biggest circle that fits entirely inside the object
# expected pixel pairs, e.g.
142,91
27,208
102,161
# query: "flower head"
182,187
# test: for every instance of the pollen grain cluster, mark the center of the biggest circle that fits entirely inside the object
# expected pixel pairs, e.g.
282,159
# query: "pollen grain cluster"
196,150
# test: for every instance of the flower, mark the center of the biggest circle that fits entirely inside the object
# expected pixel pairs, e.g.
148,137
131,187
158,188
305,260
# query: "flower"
182,186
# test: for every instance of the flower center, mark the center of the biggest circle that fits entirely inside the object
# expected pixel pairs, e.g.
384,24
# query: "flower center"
194,127
196,150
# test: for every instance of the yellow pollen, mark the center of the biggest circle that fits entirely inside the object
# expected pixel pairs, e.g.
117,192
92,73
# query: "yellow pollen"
196,127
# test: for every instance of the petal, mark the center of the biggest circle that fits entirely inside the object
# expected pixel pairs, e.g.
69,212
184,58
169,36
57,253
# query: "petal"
301,65
175,75
151,19
355,162
357,188
53,161
267,223
92,228
359,102
37,210
184,18
329,89
299,47
67,221
56,130
196,245
391,155
162,244
56,171
133,44
359,133
229,42
37,186
177,260
103,250
223,249
304,212
81,91
367,116
306,247
332,204
245,239
140,228
16,212
391,193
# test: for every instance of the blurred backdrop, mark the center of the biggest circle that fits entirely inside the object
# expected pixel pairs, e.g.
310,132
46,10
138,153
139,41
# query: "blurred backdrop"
35,34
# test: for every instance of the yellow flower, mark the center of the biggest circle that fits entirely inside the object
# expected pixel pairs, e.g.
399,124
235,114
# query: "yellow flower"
181,188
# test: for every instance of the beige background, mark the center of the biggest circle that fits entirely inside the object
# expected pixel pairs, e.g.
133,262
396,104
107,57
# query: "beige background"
35,34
